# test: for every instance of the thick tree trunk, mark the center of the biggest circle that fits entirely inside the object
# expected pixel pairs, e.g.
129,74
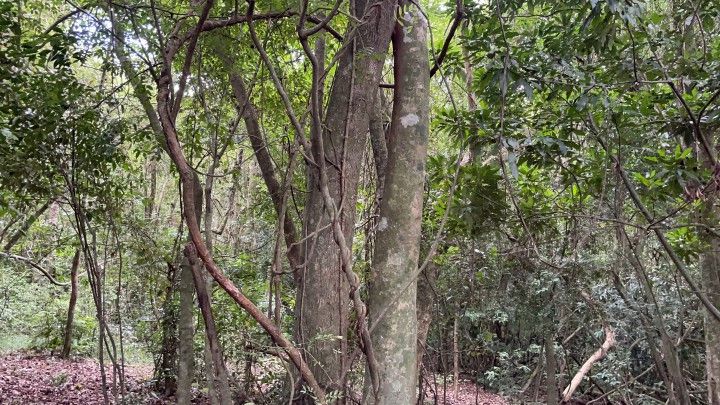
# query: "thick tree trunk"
710,267
67,340
322,300
397,247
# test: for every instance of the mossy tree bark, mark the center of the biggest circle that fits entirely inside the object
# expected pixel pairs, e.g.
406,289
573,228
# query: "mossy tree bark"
397,248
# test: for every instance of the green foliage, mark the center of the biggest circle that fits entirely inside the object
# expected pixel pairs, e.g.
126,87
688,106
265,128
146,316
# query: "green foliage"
49,334
551,83
36,317
479,203
52,129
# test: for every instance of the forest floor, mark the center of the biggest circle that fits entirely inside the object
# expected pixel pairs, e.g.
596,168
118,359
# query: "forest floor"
468,394
33,378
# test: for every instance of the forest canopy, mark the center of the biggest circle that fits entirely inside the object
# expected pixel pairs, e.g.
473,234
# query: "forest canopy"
372,202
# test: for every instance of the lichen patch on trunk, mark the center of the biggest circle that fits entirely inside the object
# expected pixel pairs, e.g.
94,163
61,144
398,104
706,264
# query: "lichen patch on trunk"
409,120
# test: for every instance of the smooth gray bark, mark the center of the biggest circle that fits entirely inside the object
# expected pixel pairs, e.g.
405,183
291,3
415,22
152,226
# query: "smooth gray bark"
186,333
397,246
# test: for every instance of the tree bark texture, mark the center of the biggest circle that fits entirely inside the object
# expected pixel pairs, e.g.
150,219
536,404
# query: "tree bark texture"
67,340
425,301
397,247
551,370
323,293
186,335
585,368
710,268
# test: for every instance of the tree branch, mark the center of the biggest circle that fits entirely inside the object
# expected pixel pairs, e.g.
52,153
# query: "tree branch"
186,177
36,267
597,356
459,16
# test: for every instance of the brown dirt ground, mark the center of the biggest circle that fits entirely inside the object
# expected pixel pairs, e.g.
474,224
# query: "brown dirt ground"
468,394
32,378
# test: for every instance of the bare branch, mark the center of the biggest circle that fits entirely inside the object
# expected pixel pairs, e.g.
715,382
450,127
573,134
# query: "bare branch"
36,266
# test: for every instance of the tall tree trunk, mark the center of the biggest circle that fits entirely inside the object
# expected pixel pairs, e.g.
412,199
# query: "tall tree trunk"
323,294
216,372
67,339
186,335
456,358
710,268
551,370
397,248
186,329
